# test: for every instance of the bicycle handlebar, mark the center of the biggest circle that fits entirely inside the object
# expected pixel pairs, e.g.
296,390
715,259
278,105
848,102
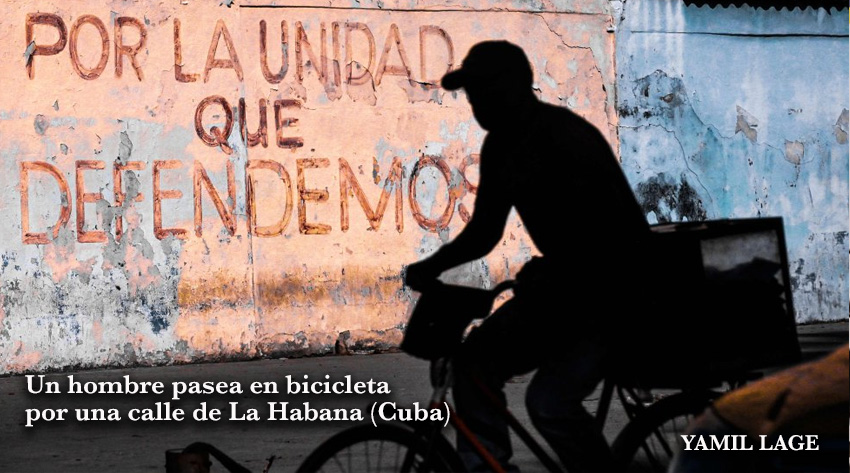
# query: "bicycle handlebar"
504,286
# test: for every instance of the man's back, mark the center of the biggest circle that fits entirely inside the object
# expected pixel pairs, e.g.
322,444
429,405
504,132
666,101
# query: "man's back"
560,173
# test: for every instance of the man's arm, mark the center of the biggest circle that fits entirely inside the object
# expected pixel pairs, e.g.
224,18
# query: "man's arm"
481,234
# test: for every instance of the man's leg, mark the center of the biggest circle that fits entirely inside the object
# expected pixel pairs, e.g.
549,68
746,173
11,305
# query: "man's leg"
554,401
501,348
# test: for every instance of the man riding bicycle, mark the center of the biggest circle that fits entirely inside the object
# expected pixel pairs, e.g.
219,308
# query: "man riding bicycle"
560,174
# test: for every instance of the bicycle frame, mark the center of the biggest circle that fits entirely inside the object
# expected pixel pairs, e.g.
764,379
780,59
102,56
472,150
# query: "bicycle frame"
438,400
442,372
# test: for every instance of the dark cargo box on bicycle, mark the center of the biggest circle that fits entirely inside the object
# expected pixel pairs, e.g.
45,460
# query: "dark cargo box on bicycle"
717,301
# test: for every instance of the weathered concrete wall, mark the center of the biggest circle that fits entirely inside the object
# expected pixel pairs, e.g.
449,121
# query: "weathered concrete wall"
150,216
743,112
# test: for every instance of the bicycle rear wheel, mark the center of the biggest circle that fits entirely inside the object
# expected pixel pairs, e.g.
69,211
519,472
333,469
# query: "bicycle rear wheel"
385,448
649,441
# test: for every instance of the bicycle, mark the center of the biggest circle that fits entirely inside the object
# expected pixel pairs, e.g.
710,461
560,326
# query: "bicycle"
736,269
649,437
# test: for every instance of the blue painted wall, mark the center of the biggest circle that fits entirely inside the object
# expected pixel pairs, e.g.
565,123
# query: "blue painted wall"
743,112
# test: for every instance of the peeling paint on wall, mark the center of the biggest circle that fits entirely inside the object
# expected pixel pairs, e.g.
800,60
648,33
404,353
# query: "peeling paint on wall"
190,182
742,112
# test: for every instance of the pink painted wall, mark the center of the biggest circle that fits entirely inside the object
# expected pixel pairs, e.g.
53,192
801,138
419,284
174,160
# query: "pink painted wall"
220,246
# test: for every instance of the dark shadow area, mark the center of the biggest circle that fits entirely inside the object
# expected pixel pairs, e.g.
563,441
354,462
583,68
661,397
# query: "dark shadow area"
537,157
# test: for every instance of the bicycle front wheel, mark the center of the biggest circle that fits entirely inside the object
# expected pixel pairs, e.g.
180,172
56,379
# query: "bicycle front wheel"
385,448
650,440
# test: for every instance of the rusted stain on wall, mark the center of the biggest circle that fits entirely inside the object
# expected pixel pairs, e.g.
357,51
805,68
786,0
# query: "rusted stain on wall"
193,182
728,112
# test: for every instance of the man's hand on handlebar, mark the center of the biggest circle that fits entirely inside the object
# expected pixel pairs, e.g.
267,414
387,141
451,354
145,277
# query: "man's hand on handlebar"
422,275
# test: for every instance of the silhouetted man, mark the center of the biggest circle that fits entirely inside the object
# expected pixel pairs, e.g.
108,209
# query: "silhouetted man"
560,174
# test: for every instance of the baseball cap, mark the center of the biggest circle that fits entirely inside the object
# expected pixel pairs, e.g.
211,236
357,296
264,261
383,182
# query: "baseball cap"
491,62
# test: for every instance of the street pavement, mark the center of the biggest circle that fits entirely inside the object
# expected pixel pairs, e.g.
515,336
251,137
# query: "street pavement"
139,446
